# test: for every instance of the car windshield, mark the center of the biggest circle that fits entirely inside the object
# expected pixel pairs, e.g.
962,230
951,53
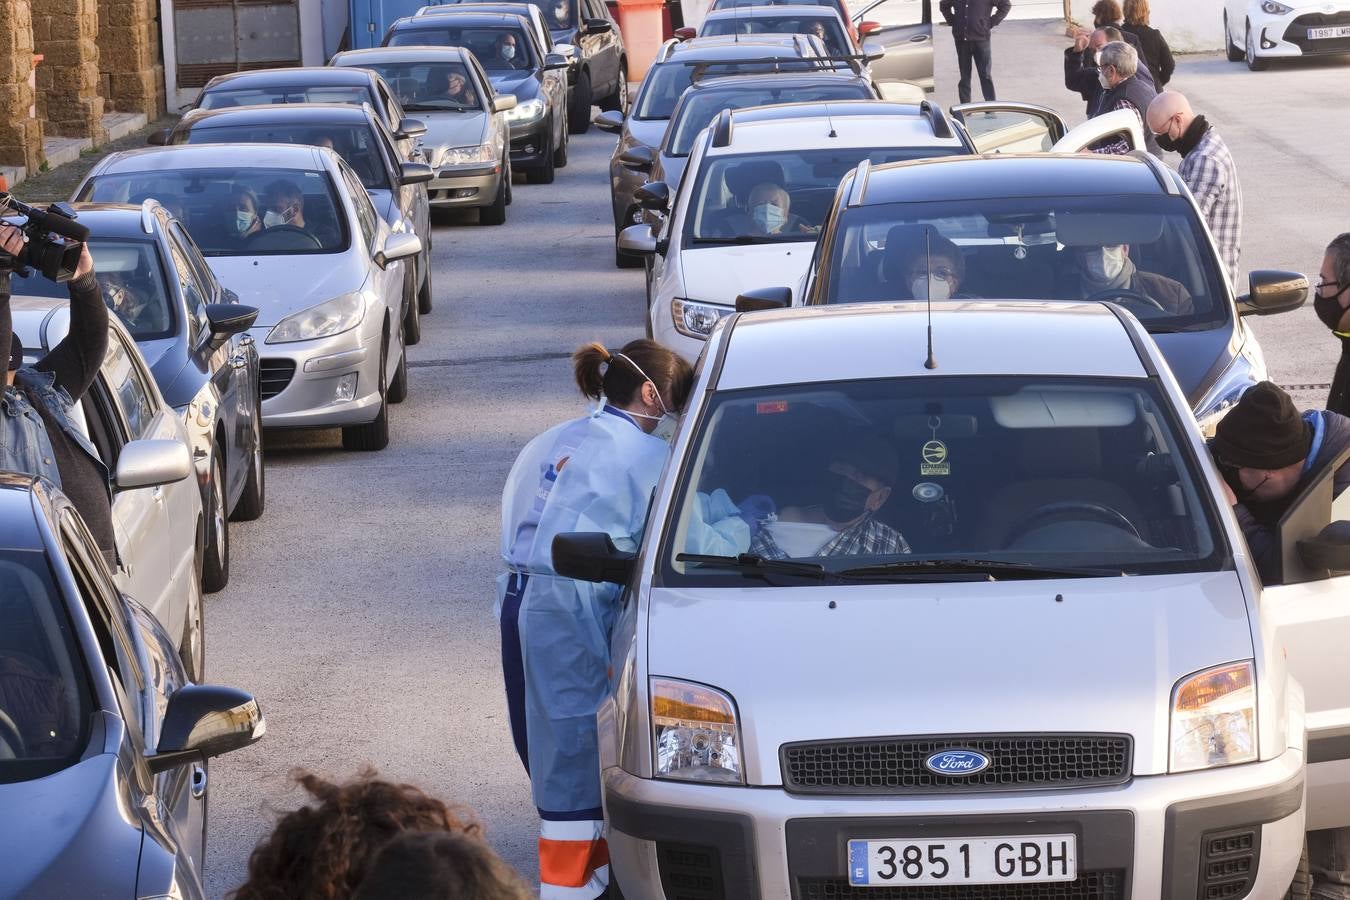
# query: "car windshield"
730,199
44,694
1146,253
919,478
239,211
132,281
430,86
826,27
500,48
701,107
356,144
226,97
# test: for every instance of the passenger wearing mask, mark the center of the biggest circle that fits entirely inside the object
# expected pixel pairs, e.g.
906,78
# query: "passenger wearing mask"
770,211
1152,46
594,473
1081,65
1107,273
1268,452
1117,69
1331,301
507,52
241,214
1206,167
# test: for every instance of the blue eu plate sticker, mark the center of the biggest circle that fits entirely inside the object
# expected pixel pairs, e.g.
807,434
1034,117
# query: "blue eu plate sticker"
857,862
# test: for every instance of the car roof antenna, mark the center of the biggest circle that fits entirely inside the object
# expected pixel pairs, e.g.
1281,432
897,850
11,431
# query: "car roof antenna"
829,118
931,362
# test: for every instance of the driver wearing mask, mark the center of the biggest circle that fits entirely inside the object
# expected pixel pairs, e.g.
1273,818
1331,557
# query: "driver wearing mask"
562,14
934,268
1108,273
507,52
284,205
129,304
770,210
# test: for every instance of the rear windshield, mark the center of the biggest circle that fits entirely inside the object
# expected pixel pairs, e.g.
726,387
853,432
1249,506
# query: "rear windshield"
240,212
699,109
226,97
489,43
828,28
132,281
666,83
431,86
357,144
44,693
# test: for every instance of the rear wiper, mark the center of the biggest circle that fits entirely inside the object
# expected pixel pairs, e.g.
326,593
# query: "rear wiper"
993,569
753,565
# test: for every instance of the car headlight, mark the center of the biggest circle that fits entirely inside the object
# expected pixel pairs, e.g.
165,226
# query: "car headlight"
1214,718
695,736
463,156
528,111
1275,9
1246,369
696,320
325,320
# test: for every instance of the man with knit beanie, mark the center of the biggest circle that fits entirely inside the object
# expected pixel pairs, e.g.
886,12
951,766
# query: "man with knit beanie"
1267,452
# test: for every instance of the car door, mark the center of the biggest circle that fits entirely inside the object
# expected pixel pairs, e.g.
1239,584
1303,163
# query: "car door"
392,115
1119,124
1309,615
999,127
905,29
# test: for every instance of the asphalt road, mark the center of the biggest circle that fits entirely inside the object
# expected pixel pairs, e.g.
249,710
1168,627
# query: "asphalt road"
358,609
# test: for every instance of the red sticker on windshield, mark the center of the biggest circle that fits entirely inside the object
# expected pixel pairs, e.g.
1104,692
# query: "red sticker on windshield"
769,407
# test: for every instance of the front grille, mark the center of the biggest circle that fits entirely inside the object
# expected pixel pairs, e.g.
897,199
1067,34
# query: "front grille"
1107,884
1297,32
895,765
274,375
1228,866
690,871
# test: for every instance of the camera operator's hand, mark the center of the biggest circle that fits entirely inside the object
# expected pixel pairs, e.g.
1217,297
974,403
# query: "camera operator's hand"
86,265
11,240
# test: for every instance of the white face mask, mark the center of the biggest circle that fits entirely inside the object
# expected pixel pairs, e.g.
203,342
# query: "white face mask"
1104,266
509,51
272,218
768,216
1101,79
244,220
920,287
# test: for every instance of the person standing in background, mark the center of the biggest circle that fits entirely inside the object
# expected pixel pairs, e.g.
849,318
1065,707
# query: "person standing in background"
973,22
1152,45
1331,301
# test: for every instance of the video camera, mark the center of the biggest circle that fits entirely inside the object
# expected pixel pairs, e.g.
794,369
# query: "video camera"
55,239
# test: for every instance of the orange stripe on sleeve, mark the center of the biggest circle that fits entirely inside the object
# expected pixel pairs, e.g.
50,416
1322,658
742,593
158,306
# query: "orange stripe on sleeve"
571,863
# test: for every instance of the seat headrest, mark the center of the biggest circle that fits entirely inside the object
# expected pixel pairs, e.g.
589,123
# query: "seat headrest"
1060,452
742,178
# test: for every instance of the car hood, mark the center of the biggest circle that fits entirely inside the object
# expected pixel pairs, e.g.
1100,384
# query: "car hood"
717,274
1082,655
462,129
647,132
65,835
282,284
522,83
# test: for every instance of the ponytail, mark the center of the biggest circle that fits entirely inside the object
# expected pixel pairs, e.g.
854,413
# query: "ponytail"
620,376
588,365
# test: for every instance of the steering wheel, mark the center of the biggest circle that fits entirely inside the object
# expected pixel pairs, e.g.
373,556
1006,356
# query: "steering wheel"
267,239
11,736
1127,295
1080,510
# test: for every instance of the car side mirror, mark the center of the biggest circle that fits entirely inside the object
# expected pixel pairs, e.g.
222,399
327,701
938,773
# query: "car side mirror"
227,320
873,51
1271,291
611,120
415,173
640,159
150,463
599,26
555,61
503,102
159,137
866,28
638,240
1329,550
410,128
653,195
764,298
686,33
591,556
399,245
205,720
567,50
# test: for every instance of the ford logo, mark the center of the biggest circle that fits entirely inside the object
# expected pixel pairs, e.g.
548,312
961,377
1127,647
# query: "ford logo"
956,762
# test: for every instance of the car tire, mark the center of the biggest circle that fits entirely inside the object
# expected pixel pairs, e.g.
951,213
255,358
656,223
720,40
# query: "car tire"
560,153
579,112
1254,62
373,435
216,552
510,177
398,388
619,99
424,290
495,212
1301,887
1235,53
412,318
254,497
544,174
192,645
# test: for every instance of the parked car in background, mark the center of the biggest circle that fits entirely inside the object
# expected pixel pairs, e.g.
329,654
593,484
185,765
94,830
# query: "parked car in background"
193,335
104,737
839,6
396,185
532,14
536,78
1262,31
327,274
467,138
822,21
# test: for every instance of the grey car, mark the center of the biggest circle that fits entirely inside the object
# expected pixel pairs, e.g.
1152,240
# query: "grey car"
466,141
104,740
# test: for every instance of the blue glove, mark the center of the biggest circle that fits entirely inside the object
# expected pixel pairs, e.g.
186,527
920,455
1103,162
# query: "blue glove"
755,509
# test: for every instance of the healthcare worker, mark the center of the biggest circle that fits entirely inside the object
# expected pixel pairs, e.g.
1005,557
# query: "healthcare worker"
595,473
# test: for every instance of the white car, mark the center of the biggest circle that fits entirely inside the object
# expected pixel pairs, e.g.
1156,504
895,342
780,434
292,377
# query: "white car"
1038,663
1261,30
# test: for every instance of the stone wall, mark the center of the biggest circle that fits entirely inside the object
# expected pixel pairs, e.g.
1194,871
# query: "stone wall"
65,32
131,73
20,136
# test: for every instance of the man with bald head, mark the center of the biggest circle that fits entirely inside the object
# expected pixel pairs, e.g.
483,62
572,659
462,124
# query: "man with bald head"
1206,167
1081,64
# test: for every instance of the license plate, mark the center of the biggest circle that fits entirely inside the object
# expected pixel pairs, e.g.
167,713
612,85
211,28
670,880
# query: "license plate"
1321,34
1021,858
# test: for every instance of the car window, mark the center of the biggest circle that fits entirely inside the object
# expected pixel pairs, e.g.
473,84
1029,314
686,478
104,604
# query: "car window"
828,28
367,218
44,691
1146,253
698,109
129,389
393,110
1084,474
356,144
666,83
250,211
898,13
785,196
487,42
431,85
227,97
195,294
559,14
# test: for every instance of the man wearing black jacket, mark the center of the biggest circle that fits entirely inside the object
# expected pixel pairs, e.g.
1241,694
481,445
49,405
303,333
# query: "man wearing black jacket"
37,435
972,21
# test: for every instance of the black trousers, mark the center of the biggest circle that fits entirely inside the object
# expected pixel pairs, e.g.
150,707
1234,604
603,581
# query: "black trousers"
979,53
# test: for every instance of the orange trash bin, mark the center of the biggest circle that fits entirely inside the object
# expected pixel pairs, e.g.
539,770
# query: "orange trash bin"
642,24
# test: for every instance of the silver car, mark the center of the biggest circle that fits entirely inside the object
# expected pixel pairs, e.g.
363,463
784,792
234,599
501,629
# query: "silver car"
293,232
467,133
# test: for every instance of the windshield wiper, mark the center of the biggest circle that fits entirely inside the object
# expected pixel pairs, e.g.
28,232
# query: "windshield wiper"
993,569
752,565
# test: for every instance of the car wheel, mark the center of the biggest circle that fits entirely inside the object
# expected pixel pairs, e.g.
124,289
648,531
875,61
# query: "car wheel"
560,154
412,319
1254,62
373,435
1235,53
398,388
216,558
254,498
424,291
192,646
510,177
579,114
495,212
619,99
544,174
1301,887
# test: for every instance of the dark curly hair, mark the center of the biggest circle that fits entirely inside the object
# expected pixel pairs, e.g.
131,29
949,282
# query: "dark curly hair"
322,851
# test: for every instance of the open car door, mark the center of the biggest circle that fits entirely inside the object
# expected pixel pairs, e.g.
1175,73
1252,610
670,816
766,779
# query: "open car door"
1309,614
1120,124
999,127
905,29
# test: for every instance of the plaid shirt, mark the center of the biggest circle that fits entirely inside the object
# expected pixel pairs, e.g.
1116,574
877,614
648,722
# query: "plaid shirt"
868,538
1209,172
